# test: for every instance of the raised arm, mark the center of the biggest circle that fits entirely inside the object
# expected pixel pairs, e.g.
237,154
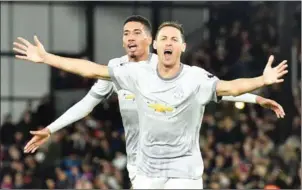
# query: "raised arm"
37,54
240,86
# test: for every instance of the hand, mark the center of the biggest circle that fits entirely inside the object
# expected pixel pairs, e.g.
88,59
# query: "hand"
271,104
30,52
39,138
273,75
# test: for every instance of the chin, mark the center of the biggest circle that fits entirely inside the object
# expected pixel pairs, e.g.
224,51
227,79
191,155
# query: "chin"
132,54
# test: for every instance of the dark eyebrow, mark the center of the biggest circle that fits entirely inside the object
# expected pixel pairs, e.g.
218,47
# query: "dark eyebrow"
136,30
173,37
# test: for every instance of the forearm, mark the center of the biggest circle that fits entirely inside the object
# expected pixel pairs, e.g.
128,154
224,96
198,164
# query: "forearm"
238,86
75,113
81,67
247,98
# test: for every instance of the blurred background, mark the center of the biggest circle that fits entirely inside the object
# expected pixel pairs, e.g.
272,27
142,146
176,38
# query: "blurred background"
243,146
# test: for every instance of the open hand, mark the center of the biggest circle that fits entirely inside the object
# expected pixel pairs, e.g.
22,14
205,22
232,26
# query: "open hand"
274,75
34,53
271,104
39,138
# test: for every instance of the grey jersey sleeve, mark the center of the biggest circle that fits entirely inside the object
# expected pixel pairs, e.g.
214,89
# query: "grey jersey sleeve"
101,89
206,86
124,76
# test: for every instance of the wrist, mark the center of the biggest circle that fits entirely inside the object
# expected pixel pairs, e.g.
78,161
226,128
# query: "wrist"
258,99
261,80
47,130
45,57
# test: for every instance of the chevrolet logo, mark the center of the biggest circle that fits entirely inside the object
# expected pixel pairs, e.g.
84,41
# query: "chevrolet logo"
161,108
129,97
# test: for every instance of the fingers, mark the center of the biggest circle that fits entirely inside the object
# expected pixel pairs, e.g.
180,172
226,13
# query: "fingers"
30,145
38,43
32,140
279,110
282,63
40,133
282,73
19,51
30,148
20,46
21,57
27,43
283,68
282,110
270,61
280,80
277,114
34,150
39,138
33,146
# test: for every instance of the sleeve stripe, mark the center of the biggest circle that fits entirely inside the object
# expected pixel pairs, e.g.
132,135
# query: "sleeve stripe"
95,95
215,97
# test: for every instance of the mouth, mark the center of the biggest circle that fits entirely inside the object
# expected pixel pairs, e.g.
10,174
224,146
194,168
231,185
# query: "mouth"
168,52
132,47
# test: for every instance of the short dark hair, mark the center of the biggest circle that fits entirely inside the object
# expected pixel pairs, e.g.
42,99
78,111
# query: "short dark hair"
174,25
138,18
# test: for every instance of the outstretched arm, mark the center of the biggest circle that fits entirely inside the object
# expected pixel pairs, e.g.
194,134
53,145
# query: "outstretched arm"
75,113
246,98
37,54
98,92
255,99
81,67
240,86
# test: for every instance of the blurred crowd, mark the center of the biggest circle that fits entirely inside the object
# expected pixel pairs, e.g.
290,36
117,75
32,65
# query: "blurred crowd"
90,154
242,148
249,148
242,35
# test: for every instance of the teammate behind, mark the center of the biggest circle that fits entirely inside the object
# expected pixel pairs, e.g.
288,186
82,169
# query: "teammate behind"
137,39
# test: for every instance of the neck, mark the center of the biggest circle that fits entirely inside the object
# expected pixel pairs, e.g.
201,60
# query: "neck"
170,71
